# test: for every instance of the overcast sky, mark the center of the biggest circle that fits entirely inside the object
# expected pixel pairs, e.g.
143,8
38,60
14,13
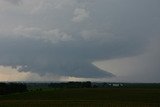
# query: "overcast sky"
67,40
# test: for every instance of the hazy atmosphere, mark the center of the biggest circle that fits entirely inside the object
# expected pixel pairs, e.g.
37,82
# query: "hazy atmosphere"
79,40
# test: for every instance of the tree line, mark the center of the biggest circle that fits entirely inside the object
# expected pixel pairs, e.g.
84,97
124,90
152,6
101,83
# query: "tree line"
8,88
71,85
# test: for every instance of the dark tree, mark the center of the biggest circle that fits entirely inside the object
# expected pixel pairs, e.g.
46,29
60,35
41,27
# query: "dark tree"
7,88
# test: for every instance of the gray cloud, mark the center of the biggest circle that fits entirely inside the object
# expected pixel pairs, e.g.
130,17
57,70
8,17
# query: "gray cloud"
36,56
14,2
65,37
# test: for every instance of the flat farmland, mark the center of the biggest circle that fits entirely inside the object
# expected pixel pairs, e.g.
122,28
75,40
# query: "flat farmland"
93,97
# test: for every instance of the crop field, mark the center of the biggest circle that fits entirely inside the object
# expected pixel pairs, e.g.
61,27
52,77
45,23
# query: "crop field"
94,97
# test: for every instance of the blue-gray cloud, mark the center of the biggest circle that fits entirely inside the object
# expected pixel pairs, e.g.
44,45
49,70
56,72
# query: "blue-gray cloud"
65,37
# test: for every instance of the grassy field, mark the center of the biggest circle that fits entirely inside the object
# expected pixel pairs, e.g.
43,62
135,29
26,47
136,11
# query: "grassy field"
84,98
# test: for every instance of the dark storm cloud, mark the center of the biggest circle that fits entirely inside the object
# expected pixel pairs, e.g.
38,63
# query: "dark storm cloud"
66,37
42,57
65,59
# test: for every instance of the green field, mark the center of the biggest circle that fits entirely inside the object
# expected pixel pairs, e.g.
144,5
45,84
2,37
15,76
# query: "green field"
116,97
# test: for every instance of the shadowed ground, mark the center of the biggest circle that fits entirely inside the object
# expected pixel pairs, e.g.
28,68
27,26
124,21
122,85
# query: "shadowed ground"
84,98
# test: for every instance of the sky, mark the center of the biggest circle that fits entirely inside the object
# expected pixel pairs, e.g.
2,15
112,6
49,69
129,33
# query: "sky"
80,40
